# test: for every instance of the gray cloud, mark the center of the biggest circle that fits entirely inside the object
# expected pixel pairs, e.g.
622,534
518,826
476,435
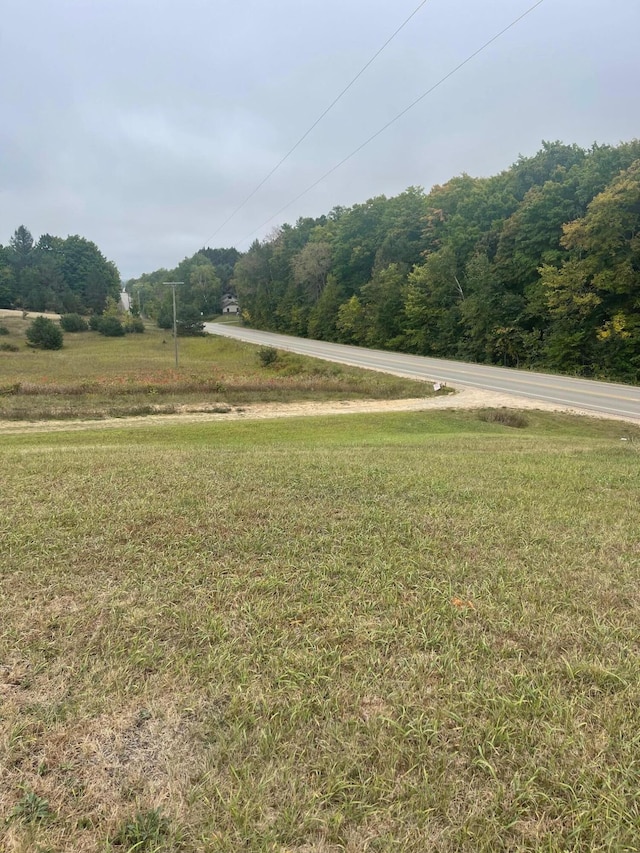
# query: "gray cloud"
143,124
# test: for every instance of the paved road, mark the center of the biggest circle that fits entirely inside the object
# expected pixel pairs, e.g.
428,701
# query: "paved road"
607,397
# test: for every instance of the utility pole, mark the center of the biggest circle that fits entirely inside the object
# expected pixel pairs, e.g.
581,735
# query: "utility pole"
172,285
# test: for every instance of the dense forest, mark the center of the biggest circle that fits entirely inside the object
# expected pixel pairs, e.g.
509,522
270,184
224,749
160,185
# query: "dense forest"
538,266
68,275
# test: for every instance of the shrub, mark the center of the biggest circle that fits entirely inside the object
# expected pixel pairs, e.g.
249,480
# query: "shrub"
189,323
4,330
165,317
73,323
43,333
133,325
6,347
111,327
267,356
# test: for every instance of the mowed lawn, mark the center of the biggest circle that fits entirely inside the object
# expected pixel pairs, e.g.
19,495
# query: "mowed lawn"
405,632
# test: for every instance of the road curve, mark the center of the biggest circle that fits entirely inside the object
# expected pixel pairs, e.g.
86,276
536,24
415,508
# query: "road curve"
603,397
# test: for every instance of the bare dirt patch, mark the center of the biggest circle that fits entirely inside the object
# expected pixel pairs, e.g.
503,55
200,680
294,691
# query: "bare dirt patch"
463,398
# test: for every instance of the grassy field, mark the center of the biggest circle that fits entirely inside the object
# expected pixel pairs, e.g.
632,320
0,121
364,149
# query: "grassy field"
406,632
96,377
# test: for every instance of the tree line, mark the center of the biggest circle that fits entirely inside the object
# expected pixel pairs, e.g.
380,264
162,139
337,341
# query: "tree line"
537,266
67,276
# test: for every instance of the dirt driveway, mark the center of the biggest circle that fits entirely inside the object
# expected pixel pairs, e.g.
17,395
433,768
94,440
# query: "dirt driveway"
464,398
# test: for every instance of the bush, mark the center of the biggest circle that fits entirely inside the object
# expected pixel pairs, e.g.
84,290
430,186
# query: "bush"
4,330
165,317
73,323
6,347
133,325
43,333
189,323
111,327
108,325
267,356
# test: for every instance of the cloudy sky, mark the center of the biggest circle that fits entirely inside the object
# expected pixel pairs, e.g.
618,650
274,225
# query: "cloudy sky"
143,124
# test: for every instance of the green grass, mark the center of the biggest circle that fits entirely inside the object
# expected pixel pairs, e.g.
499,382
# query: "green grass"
97,377
399,632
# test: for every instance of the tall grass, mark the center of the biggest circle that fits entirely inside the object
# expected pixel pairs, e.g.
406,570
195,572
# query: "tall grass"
94,376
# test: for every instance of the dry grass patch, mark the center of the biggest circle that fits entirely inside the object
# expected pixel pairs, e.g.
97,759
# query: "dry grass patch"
98,377
504,416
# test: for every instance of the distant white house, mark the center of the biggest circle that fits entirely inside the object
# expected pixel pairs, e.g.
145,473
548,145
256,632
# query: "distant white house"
230,304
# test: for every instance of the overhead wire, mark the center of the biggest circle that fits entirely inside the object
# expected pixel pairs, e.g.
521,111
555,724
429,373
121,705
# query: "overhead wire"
397,117
318,120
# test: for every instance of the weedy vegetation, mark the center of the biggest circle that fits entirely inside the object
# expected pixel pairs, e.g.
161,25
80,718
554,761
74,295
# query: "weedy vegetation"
399,632
95,376
147,831
505,416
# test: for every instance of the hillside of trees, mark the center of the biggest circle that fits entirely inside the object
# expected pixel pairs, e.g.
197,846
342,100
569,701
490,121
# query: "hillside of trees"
538,266
68,275
205,278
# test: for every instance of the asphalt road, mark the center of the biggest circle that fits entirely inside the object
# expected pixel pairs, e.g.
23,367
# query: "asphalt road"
606,397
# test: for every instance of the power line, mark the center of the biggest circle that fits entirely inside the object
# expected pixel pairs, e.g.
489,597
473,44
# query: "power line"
398,116
318,120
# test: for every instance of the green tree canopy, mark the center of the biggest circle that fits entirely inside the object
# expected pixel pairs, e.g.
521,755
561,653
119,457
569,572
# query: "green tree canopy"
68,275
536,266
